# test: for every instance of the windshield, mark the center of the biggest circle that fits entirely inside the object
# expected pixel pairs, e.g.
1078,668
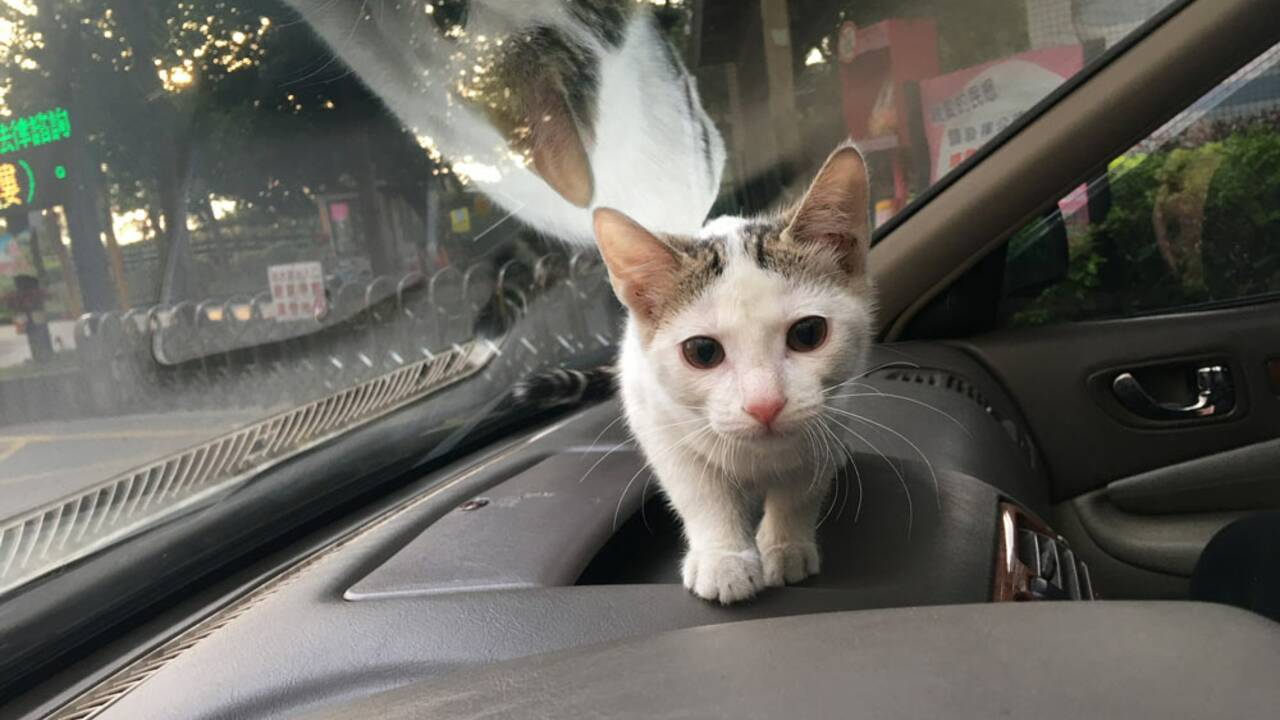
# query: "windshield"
231,231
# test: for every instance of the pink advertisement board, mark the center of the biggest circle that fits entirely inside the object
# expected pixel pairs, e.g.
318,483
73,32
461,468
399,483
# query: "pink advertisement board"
966,108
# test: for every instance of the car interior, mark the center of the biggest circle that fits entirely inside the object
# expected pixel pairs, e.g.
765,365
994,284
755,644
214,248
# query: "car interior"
1017,534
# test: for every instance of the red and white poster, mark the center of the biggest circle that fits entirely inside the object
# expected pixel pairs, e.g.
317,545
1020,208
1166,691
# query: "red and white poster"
297,291
966,108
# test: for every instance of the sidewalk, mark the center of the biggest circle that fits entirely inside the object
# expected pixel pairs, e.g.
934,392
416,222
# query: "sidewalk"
15,351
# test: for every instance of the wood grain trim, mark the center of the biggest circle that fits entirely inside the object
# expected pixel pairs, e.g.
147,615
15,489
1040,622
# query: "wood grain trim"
1012,576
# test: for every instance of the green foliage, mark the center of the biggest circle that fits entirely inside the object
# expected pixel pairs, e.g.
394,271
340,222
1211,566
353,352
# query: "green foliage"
231,99
1242,218
1217,205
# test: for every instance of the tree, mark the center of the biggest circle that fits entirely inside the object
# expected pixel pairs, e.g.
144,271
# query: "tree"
235,99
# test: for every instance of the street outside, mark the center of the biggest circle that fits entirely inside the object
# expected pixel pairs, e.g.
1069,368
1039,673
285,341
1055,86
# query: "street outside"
15,352
44,462
47,461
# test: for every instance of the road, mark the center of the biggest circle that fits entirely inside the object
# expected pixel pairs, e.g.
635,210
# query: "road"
44,462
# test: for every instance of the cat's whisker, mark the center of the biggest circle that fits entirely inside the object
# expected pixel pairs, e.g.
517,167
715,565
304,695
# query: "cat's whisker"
830,449
871,388
668,400
813,440
899,351
715,452
840,384
813,451
845,501
937,491
913,401
857,474
593,449
510,214
647,466
878,368
831,456
835,450
852,461
621,498
849,381
730,449
644,502
341,48
835,497
679,423
602,458
727,449
901,479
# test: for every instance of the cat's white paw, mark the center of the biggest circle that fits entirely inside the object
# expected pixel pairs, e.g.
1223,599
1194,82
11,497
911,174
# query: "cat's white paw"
723,576
789,562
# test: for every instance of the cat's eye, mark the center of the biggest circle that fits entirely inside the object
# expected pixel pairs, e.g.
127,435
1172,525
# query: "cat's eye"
702,352
807,333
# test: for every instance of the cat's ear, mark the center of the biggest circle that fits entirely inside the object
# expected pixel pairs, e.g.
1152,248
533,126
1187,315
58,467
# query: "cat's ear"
539,123
555,142
642,268
836,209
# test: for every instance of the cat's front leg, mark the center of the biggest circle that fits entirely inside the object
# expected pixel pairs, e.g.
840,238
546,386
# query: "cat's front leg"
787,537
722,563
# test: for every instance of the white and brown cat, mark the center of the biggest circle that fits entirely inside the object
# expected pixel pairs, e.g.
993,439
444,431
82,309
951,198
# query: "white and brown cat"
579,118
735,338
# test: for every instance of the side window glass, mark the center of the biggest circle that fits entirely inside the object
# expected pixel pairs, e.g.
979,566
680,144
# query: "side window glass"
1188,216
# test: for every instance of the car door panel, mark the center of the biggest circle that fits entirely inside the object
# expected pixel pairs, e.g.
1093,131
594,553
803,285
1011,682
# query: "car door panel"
1246,478
1048,371
1147,495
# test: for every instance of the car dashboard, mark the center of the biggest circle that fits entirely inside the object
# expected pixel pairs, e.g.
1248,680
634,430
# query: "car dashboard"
555,541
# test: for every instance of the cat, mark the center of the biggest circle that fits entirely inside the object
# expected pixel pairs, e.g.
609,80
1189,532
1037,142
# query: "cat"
734,338
551,107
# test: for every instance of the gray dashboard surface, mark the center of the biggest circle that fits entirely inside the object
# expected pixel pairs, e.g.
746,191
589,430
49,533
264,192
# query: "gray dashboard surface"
1034,660
421,593
546,524
539,529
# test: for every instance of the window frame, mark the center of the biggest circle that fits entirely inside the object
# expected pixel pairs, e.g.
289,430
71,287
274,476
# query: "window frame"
1121,97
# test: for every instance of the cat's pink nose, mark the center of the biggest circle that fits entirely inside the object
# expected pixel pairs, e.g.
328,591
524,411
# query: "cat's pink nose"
765,410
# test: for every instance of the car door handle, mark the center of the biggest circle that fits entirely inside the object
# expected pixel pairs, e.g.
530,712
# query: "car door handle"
1214,396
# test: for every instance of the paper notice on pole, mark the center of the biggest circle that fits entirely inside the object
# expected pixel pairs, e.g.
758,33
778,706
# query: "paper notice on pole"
297,291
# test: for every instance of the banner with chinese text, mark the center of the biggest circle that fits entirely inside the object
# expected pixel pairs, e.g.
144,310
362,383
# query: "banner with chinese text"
33,160
966,108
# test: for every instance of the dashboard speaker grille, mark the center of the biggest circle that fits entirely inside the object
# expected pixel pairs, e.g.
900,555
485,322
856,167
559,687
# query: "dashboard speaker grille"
950,382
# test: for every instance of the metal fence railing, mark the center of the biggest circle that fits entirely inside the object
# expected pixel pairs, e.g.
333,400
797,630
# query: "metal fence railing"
233,353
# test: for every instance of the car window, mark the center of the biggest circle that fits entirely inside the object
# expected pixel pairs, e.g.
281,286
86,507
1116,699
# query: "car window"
1187,217
232,231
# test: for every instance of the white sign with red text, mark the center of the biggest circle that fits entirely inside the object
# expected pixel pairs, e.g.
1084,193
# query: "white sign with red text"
966,108
297,291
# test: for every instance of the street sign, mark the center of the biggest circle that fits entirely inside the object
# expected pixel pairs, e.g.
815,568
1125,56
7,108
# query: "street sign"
460,220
